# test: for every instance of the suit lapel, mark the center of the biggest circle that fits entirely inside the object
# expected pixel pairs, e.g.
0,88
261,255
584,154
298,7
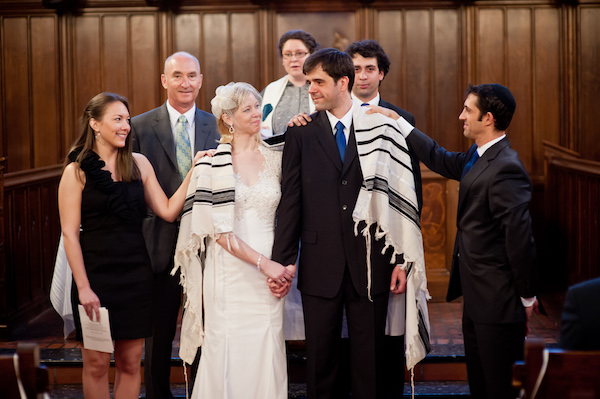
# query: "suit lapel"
478,168
201,133
327,140
164,133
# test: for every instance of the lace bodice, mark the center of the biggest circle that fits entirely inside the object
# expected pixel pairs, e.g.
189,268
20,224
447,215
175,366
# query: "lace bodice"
263,196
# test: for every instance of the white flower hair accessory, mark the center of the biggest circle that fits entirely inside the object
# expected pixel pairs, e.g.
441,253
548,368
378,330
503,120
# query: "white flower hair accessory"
223,100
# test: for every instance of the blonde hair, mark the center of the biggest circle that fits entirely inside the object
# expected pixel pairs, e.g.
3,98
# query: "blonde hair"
227,100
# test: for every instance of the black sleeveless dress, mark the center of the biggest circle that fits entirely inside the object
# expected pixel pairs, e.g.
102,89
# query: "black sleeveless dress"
114,251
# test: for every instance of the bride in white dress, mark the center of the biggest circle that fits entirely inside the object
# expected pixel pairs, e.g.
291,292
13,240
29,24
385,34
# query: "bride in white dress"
243,349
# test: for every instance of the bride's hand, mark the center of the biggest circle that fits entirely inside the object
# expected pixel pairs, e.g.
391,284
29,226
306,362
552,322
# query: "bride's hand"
278,289
276,271
281,289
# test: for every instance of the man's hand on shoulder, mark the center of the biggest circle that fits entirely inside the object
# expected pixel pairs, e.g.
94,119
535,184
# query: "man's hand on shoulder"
300,120
390,113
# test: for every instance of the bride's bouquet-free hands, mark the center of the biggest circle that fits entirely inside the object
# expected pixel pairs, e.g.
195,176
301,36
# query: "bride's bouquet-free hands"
281,287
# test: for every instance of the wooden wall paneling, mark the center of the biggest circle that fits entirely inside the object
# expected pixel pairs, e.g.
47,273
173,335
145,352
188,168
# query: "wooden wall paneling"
588,87
519,59
217,53
50,232
419,70
145,64
491,46
435,234
33,271
87,61
16,97
114,54
245,57
546,83
45,115
188,36
18,249
446,80
4,282
330,29
391,36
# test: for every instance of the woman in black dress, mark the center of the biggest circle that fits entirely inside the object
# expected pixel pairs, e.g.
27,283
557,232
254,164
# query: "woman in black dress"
102,198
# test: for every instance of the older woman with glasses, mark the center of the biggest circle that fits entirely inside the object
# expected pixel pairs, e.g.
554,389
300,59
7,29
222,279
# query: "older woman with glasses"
288,96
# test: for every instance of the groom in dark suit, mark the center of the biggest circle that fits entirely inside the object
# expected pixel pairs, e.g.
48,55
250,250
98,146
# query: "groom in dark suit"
493,261
321,179
156,135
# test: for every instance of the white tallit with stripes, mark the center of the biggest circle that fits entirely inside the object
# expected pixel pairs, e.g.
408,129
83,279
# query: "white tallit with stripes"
208,211
388,199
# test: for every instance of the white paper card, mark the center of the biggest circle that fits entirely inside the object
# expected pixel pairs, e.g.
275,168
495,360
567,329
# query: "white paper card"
96,334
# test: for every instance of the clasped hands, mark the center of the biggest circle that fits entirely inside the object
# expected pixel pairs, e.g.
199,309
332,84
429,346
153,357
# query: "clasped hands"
281,287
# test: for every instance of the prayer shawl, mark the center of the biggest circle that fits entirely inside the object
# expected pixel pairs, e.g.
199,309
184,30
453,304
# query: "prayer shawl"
388,200
271,96
208,212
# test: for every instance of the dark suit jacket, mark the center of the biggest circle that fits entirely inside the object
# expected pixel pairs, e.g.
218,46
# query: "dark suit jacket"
318,198
493,261
153,137
581,317
416,166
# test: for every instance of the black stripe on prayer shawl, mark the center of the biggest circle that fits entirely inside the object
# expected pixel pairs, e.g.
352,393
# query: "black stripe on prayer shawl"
221,165
276,139
409,268
397,202
224,197
423,334
202,196
391,156
380,136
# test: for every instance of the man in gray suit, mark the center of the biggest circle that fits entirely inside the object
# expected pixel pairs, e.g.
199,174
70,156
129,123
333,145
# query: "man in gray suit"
158,135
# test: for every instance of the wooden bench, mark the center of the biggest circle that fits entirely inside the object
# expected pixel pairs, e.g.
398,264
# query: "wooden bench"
557,373
33,377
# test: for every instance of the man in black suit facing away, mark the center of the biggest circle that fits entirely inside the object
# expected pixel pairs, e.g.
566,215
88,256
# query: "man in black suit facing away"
493,261
321,180
580,328
168,136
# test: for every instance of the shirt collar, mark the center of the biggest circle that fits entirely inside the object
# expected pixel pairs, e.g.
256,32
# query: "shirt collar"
346,120
481,150
359,102
174,114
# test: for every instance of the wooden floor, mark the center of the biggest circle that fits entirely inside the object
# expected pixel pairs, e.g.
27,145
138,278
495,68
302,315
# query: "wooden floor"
445,319
443,370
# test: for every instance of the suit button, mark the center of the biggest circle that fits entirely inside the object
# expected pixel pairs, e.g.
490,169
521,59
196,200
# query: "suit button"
344,182
344,207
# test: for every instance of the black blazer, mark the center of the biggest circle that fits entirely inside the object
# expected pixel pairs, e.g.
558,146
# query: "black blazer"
414,160
581,317
493,261
318,198
153,137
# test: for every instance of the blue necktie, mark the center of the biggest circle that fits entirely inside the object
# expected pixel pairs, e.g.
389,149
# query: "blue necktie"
340,139
364,104
470,163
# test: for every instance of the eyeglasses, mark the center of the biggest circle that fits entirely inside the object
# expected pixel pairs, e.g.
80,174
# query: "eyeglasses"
297,54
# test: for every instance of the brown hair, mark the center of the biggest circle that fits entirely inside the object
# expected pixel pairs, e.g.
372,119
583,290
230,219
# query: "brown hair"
96,108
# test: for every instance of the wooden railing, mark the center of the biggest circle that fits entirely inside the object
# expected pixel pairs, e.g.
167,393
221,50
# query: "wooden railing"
31,233
572,215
